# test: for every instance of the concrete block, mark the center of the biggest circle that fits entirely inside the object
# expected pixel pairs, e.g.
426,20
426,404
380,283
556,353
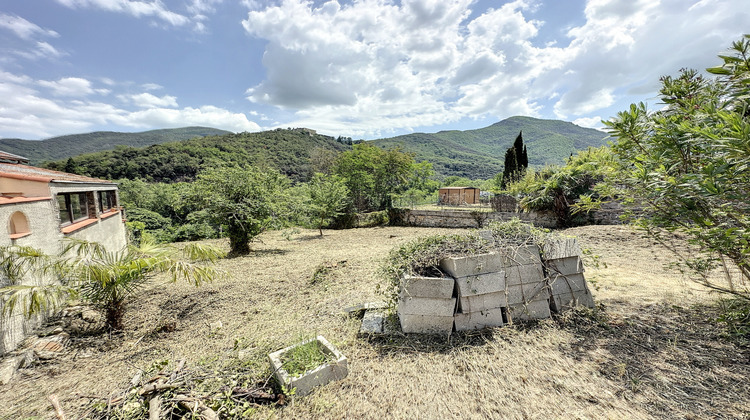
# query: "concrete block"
564,301
481,284
373,322
472,265
521,255
426,324
426,306
564,266
523,293
478,303
332,371
566,284
561,248
533,310
478,320
524,274
435,287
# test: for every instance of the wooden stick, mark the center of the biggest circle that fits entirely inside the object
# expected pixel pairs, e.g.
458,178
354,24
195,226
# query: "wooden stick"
154,408
56,405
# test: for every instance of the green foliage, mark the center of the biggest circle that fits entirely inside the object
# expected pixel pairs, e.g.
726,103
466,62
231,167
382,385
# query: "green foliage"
63,147
373,175
570,189
735,315
285,150
329,197
516,162
246,201
303,357
687,167
478,154
103,278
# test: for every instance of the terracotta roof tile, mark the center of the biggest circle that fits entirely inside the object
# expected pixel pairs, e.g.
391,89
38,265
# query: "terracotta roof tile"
14,170
5,156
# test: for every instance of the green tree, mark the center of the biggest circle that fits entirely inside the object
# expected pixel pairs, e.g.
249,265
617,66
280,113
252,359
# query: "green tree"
329,197
246,201
373,175
516,162
687,166
103,278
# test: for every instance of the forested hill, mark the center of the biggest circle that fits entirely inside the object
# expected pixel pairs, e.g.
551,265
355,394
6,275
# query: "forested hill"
287,150
63,147
479,153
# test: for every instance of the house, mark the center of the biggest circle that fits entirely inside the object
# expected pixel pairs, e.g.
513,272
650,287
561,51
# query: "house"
39,208
457,196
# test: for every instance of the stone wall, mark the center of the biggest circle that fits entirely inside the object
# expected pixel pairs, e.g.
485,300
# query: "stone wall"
469,219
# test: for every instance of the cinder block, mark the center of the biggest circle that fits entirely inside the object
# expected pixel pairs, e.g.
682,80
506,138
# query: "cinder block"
564,301
524,274
426,324
303,384
521,255
372,322
478,320
472,265
523,293
484,302
426,306
435,287
565,284
481,284
561,248
564,266
533,310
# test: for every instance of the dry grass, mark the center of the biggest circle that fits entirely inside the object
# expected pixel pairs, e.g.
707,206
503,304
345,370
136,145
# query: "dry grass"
650,352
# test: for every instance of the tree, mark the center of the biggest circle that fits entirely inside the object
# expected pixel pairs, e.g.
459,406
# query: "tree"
246,201
329,197
100,277
373,175
687,166
516,162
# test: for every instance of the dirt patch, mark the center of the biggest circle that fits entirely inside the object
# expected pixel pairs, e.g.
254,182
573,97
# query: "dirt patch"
651,352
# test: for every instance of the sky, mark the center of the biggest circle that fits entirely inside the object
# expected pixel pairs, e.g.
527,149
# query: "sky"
361,69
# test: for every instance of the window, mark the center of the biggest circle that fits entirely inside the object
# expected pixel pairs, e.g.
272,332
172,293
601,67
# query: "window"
19,225
107,201
75,207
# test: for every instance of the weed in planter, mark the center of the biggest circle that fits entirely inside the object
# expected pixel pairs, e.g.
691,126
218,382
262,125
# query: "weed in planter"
305,357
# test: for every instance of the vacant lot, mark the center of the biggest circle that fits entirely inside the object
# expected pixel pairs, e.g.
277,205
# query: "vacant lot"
652,351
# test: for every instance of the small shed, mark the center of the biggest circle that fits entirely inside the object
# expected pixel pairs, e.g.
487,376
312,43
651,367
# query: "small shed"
458,195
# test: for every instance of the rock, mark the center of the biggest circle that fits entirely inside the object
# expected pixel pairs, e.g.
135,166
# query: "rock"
215,325
372,322
8,368
90,315
50,347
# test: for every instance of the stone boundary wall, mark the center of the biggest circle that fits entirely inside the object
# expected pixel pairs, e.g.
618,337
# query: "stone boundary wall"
467,219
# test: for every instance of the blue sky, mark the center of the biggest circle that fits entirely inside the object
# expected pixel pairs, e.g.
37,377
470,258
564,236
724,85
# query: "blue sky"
364,69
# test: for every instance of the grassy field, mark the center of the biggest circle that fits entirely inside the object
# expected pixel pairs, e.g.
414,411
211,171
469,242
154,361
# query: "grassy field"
652,350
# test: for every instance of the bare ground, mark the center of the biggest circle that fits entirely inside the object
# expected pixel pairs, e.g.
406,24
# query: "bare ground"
652,350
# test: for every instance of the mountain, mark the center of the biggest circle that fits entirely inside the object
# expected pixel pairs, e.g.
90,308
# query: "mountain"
288,151
63,147
479,154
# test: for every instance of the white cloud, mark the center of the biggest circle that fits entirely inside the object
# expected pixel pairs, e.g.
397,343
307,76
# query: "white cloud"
26,112
23,28
370,64
147,100
155,9
590,122
68,86
152,86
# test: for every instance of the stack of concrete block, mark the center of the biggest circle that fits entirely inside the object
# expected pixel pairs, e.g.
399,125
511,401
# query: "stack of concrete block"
526,286
426,305
568,287
480,290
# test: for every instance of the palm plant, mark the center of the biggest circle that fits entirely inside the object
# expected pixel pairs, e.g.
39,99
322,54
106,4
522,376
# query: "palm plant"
105,279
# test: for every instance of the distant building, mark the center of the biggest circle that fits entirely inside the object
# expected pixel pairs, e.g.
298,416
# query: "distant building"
41,207
457,196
